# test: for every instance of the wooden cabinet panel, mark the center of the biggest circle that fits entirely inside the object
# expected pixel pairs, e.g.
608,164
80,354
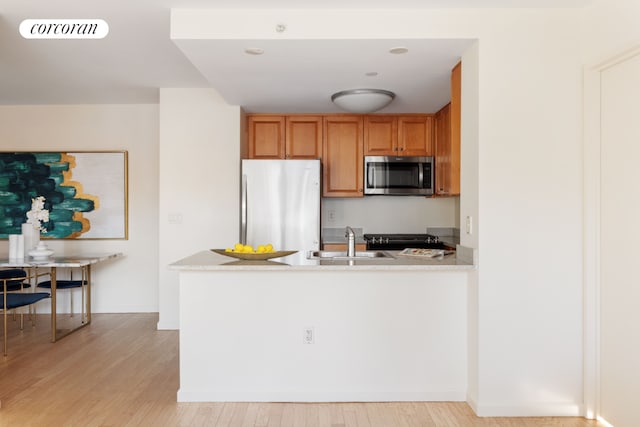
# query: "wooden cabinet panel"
443,151
380,136
456,114
266,137
284,137
342,154
415,135
342,247
447,144
303,137
399,135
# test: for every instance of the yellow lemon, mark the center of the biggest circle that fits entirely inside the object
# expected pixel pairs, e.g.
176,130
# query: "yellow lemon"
268,247
228,250
248,249
238,247
261,249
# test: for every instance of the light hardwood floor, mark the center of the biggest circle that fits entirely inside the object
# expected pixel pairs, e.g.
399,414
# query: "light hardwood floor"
121,371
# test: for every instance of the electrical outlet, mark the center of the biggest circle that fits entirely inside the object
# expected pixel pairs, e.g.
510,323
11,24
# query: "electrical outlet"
469,225
331,215
308,335
175,218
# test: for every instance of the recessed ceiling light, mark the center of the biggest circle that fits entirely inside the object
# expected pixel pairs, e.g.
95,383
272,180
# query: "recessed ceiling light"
371,74
254,51
398,50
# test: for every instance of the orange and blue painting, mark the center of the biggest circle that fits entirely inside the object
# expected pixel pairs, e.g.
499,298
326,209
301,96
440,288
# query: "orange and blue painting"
84,192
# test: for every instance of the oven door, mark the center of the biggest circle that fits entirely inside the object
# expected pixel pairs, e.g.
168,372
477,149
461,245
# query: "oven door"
399,176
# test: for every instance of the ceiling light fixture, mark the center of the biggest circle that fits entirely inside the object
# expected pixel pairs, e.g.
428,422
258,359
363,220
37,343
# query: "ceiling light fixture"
398,50
362,100
254,51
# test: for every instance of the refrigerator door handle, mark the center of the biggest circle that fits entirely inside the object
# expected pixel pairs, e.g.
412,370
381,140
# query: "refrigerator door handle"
243,212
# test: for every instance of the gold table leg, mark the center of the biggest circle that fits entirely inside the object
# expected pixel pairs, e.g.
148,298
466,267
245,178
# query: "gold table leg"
86,272
53,304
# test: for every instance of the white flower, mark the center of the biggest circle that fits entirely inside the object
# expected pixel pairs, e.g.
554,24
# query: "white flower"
38,214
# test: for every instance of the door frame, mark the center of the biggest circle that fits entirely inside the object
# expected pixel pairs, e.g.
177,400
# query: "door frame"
591,227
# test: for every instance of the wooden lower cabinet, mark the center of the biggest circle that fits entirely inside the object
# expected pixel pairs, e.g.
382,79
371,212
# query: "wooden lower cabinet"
342,161
342,247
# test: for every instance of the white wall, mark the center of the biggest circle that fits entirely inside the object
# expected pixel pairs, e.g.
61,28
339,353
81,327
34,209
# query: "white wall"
620,209
199,183
389,214
127,284
610,29
526,196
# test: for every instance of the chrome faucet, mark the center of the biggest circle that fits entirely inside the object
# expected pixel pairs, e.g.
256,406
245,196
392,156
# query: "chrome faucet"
351,241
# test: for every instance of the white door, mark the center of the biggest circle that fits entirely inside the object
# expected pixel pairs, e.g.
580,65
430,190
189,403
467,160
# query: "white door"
620,244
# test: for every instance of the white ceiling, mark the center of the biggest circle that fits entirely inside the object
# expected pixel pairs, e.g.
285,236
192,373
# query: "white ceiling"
138,57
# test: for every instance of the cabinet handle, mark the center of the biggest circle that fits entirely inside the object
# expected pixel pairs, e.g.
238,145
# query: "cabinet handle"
359,190
402,149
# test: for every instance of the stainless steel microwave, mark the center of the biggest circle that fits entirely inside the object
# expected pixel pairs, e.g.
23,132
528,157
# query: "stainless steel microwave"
398,175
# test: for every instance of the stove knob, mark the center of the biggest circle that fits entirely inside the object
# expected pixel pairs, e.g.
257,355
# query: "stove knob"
386,240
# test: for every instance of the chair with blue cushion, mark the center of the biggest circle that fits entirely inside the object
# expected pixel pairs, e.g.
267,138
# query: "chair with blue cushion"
70,285
15,278
12,300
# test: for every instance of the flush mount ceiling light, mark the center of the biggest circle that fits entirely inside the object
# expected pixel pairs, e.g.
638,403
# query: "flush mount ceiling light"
398,50
254,51
362,100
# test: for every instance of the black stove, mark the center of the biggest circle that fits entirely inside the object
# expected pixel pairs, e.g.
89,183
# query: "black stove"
402,241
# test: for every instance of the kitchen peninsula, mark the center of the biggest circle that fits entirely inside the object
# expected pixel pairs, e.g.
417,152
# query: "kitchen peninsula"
296,330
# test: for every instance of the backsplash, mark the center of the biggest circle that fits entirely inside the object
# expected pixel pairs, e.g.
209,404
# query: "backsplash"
387,214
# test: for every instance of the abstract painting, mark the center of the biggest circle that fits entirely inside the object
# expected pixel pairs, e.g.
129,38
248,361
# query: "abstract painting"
85,193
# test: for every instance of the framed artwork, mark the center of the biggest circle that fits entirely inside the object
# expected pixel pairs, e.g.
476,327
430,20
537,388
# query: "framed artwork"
85,193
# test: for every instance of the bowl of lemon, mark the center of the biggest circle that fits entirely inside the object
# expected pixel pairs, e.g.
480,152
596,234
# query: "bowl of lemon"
248,252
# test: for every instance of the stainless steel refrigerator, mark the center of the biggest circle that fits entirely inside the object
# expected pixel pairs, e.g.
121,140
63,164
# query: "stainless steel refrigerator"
280,204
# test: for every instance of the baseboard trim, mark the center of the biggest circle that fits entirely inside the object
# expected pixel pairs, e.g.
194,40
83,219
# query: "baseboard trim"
240,396
534,410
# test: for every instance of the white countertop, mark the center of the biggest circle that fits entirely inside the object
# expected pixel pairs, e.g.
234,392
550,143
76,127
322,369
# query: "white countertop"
209,261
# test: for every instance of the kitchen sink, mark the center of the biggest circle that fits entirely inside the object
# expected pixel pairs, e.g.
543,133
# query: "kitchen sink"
343,255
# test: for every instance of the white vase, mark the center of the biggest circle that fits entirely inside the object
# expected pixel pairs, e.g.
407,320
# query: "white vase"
31,237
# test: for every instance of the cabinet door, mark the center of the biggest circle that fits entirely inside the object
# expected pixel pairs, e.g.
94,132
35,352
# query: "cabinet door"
342,156
304,137
415,135
443,151
266,137
456,100
380,136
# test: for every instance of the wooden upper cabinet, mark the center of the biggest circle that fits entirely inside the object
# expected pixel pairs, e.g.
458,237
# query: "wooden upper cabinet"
447,144
380,136
284,137
303,137
398,135
443,151
415,135
456,114
266,137
342,156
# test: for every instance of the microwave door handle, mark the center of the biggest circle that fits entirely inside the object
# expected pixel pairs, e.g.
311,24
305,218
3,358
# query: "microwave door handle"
421,175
